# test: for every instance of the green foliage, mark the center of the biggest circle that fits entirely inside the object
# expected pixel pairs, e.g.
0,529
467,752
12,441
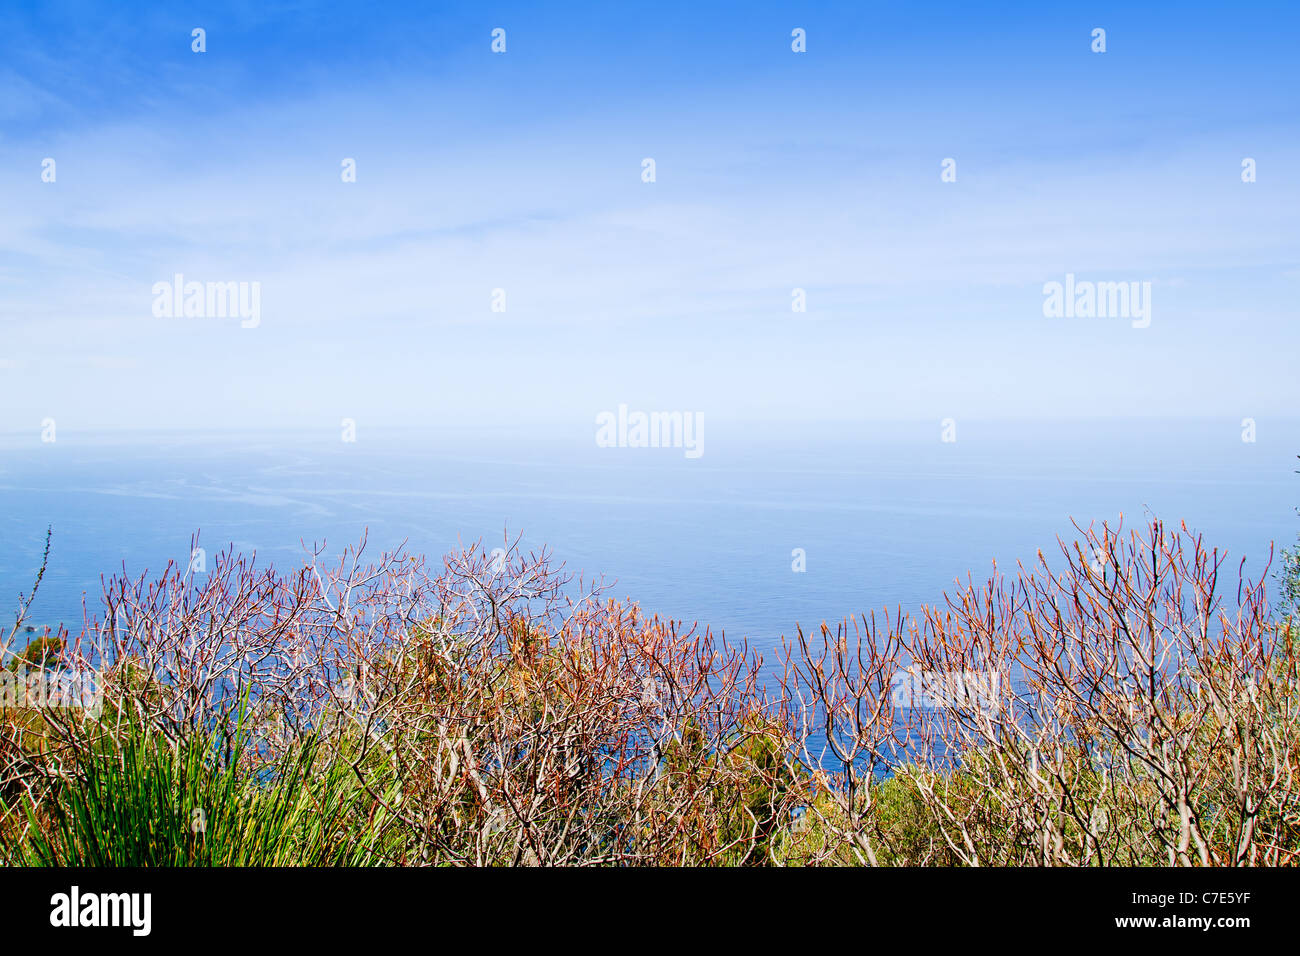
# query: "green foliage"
907,831
143,803
40,654
744,792
1289,581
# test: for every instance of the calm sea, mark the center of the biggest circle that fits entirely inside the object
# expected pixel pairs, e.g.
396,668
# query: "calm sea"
886,514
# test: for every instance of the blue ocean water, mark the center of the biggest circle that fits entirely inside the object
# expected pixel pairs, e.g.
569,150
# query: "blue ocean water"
887,514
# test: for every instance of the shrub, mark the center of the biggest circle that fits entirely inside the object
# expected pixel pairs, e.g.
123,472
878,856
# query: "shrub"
136,801
493,713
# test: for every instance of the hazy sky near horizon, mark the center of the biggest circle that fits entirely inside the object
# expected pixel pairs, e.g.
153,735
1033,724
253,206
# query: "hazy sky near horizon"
522,171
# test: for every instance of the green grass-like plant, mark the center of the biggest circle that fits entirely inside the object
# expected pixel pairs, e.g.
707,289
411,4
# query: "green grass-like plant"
141,802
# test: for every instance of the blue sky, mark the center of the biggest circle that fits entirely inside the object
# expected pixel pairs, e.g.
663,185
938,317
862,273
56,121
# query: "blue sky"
522,171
